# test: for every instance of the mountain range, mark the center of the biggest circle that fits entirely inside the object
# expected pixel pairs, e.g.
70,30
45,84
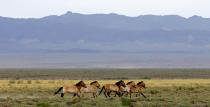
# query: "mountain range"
105,33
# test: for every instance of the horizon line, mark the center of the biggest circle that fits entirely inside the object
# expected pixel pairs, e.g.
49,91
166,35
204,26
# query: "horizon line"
111,13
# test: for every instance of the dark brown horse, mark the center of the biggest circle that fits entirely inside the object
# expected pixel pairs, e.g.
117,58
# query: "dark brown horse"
113,87
74,89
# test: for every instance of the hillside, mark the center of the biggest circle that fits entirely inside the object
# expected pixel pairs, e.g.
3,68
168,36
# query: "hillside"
99,33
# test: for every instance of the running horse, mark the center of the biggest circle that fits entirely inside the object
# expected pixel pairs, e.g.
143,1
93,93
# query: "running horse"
128,88
92,88
74,89
113,87
138,89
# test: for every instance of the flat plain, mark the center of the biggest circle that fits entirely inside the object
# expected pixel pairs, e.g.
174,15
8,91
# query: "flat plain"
165,87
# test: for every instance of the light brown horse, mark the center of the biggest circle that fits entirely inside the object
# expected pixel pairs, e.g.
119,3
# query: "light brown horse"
92,88
113,87
138,89
74,89
128,87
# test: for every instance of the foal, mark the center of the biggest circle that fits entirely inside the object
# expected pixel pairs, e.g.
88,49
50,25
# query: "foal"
74,89
112,87
92,88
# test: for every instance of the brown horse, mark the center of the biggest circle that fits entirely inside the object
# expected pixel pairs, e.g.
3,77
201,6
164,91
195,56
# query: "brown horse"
112,87
128,87
74,89
92,88
138,89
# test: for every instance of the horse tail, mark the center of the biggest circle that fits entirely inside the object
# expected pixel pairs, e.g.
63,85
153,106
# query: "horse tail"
58,90
101,91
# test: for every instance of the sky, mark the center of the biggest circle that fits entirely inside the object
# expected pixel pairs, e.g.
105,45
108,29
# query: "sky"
41,8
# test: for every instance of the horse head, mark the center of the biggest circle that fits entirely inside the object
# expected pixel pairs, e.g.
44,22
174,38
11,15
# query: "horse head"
120,83
95,83
142,84
132,84
82,84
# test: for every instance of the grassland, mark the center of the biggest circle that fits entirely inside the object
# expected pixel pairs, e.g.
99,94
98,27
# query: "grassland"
104,74
165,88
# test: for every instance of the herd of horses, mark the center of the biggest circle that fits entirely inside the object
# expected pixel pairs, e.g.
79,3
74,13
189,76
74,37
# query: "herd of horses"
119,88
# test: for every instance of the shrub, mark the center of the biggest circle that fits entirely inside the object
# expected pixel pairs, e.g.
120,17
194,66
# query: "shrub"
154,91
191,89
19,81
179,88
147,78
185,88
12,81
126,102
17,78
43,104
29,81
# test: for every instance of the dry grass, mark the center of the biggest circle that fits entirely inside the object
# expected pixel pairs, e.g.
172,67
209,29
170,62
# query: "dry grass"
165,88
159,92
149,82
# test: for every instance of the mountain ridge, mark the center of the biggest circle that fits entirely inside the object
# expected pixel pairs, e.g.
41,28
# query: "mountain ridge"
105,33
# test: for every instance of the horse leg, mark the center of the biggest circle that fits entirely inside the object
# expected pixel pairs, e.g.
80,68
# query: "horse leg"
130,94
138,93
74,95
94,96
118,93
62,95
109,94
126,94
83,94
115,95
122,93
78,95
143,95
105,94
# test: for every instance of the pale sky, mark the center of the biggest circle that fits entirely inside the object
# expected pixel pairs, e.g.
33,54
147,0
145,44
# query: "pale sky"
41,8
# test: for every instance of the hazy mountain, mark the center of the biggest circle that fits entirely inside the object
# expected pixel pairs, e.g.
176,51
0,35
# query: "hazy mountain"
99,33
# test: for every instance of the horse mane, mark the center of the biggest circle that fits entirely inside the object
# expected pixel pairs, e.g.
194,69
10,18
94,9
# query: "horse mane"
78,84
118,83
129,82
139,83
93,82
